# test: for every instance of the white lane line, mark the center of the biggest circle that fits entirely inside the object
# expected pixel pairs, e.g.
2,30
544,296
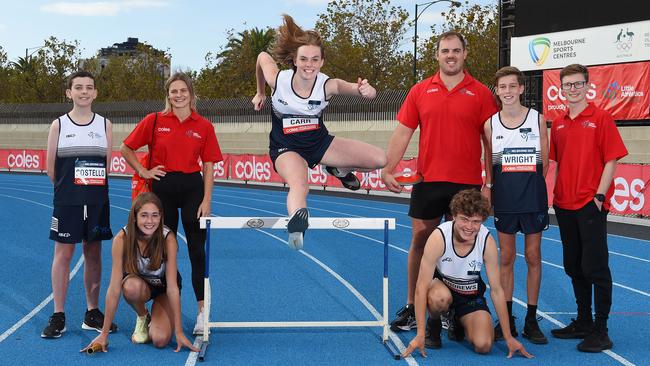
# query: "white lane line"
49,298
610,252
545,315
613,283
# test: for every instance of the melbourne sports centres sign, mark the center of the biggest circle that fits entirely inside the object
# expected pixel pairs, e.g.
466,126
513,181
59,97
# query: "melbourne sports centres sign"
611,44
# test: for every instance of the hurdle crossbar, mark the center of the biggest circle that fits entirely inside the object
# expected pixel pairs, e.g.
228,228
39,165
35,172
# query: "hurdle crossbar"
315,223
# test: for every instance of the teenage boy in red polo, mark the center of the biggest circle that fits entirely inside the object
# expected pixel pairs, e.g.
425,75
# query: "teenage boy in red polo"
586,145
449,108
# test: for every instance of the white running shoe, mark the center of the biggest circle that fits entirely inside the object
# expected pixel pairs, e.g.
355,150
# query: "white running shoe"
141,331
198,327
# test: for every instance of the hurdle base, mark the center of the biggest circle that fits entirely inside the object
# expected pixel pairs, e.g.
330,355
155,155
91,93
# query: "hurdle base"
203,348
392,349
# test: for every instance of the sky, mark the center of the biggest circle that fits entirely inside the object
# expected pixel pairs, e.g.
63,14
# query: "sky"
187,29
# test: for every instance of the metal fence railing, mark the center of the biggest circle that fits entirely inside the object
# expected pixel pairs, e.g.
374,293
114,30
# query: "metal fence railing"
341,108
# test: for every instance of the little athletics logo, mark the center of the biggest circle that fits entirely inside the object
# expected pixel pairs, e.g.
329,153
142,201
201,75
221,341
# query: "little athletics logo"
341,223
255,223
542,44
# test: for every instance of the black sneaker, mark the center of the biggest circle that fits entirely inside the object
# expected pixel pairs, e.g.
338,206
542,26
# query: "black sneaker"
596,341
55,326
575,330
349,180
405,320
533,333
455,330
94,320
432,335
498,333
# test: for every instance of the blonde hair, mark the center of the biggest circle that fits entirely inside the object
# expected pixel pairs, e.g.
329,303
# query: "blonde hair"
290,37
190,86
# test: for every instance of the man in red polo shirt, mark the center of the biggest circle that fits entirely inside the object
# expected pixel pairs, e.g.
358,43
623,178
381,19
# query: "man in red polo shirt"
450,108
586,145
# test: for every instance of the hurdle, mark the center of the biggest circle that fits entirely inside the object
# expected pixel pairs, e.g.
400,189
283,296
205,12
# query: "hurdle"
315,223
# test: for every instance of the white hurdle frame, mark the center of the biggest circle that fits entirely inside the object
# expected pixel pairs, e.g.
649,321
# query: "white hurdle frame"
315,223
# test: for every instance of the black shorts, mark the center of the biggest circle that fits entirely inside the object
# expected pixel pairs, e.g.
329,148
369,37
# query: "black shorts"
72,224
526,223
463,305
430,200
312,154
158,290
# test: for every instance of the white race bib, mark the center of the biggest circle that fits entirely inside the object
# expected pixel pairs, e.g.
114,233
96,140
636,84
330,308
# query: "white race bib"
518,159
299,124
89,173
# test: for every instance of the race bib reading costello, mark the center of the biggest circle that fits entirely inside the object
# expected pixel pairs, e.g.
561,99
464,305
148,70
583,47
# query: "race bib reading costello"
88,173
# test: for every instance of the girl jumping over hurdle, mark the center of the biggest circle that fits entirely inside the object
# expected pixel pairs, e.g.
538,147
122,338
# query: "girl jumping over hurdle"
299,138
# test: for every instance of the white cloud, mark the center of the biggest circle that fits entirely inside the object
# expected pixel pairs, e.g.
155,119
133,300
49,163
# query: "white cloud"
430,18
2,27
100,8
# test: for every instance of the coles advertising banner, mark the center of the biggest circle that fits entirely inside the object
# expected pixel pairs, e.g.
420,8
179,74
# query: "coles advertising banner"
630,180
622,90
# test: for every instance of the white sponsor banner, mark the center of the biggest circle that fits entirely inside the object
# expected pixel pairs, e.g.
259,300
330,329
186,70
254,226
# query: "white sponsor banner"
626,42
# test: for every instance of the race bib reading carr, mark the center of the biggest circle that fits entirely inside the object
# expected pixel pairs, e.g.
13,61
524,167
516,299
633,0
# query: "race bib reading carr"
299,124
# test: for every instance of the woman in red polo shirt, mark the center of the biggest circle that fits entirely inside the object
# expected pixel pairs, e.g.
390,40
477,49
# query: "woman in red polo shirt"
177,137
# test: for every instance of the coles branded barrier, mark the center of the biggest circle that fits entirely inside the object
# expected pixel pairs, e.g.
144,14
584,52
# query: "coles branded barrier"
630,180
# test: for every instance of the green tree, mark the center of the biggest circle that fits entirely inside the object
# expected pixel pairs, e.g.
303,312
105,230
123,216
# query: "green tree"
363,38
231,72
479,25
5,80
40,78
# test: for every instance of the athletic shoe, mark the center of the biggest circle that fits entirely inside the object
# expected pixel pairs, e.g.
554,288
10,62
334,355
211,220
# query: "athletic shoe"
405,320
141,331
596,341
198,327
349,180
455,332
533,333
55,326
297,225
498,333
432,335
94,320
575,330
444,320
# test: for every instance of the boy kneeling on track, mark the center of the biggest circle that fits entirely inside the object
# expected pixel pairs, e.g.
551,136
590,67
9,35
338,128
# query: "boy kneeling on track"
450,281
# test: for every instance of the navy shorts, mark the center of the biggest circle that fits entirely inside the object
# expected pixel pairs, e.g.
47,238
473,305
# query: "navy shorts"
463,305
526,223
72,224
430,200
312,154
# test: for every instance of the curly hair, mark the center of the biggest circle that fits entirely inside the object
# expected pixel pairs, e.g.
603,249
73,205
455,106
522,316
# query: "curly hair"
290,37
470,202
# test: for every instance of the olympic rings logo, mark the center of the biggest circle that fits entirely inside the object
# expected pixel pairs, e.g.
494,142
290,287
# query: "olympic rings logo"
624,46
